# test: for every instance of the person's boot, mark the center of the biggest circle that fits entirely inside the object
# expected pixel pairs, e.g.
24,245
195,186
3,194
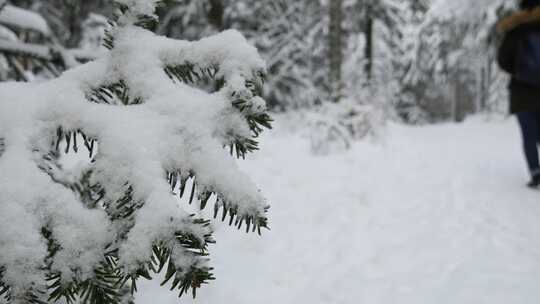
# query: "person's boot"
535,181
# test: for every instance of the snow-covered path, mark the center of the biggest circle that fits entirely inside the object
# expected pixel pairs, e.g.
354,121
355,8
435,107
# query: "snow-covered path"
437,214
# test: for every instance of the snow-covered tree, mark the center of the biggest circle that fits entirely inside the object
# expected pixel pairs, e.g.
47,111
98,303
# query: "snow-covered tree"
407,105
451,70
285,32
24,34
30,49
289,35
65,17
90,233
192,19
363,49
380,24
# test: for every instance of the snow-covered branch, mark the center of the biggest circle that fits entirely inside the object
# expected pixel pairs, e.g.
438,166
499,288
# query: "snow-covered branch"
173,130
13,16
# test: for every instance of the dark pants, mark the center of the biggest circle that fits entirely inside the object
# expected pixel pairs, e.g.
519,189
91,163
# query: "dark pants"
530,130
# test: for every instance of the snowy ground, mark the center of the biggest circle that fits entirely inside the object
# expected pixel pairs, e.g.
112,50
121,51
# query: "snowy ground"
437,214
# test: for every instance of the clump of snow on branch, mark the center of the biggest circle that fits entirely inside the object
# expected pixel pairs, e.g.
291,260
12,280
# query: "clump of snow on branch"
177,128
23,19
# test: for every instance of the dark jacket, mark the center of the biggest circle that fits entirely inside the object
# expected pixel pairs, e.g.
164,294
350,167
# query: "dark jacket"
523,97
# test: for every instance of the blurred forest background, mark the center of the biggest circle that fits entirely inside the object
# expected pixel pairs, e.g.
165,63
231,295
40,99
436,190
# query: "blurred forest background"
351,64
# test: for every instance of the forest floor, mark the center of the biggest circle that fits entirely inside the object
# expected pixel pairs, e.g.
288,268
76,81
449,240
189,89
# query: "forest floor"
436,214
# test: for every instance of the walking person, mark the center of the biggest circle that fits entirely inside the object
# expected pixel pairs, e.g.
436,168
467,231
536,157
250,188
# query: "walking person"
519,55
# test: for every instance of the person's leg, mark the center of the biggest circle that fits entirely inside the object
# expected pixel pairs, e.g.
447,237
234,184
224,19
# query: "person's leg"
530,131
538,127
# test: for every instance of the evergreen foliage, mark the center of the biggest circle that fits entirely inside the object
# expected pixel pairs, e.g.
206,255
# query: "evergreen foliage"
289,36
451,69
392,48
112,280
29,48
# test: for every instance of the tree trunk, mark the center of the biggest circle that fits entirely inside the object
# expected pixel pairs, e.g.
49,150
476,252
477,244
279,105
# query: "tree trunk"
368,52
335,49
483,95
215,14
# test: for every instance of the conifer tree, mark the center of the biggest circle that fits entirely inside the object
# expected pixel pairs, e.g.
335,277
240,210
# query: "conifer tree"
30,48
24,37
90,234
289,36
451,70
381,23
64,16
192,19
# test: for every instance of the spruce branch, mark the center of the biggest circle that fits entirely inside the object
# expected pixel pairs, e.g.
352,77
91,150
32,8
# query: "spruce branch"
114,94
180,247
109,279
202,194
